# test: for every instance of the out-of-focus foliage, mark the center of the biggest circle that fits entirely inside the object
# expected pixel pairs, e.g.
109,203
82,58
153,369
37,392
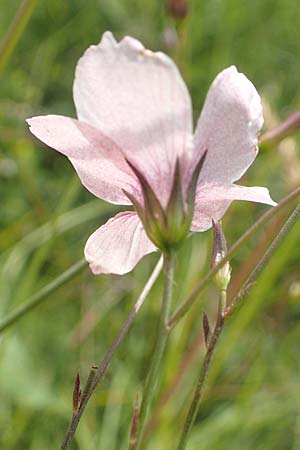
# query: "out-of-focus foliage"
46,216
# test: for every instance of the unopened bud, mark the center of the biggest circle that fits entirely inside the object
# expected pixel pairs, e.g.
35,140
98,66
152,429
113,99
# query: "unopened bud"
134,425
223,276
294,290
206,329
178,8
170,37
76,394
219,250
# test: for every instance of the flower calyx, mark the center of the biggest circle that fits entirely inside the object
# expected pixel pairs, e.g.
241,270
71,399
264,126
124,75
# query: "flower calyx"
166,227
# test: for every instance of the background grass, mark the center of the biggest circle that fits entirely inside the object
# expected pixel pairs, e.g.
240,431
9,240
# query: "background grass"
252,398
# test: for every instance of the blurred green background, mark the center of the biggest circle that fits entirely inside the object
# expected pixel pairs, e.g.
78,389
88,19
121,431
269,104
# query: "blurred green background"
252,398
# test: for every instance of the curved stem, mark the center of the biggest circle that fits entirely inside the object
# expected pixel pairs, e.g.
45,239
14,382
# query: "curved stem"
190,419
276,134
88,391
247,285
37,298
162,336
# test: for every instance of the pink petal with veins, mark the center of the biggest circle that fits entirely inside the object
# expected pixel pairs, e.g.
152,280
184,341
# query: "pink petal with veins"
97,159
212,201
133,104
118,245
228,127
138,99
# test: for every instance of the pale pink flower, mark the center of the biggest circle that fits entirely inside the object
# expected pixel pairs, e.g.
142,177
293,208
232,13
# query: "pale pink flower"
132,105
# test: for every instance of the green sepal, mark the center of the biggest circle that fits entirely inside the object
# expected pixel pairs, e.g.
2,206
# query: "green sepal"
219,249
150,226
176,208
193,184
152,203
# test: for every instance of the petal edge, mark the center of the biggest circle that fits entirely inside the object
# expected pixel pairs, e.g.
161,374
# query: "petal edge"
118,245
213,200
228,126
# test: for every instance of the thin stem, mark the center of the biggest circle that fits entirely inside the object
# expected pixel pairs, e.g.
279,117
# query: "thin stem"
15,31
174,383
266,217
109,354
86,390
162,336
192,413
37,298
287,126
222,301
247,285
223,314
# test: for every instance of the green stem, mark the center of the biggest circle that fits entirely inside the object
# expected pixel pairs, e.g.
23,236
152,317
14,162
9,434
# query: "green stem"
192,414
266,217
285,128
222,301
37,298
162,336
15,31
223,314
248,284
97,377
86,391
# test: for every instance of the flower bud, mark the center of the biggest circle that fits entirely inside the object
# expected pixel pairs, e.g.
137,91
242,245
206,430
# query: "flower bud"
223,276
178,8
219,250
76,394
170,37
206,329
134,425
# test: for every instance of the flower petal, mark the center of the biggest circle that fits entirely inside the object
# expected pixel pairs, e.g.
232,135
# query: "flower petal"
137,98
97,159
228,127
212,201
118,245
